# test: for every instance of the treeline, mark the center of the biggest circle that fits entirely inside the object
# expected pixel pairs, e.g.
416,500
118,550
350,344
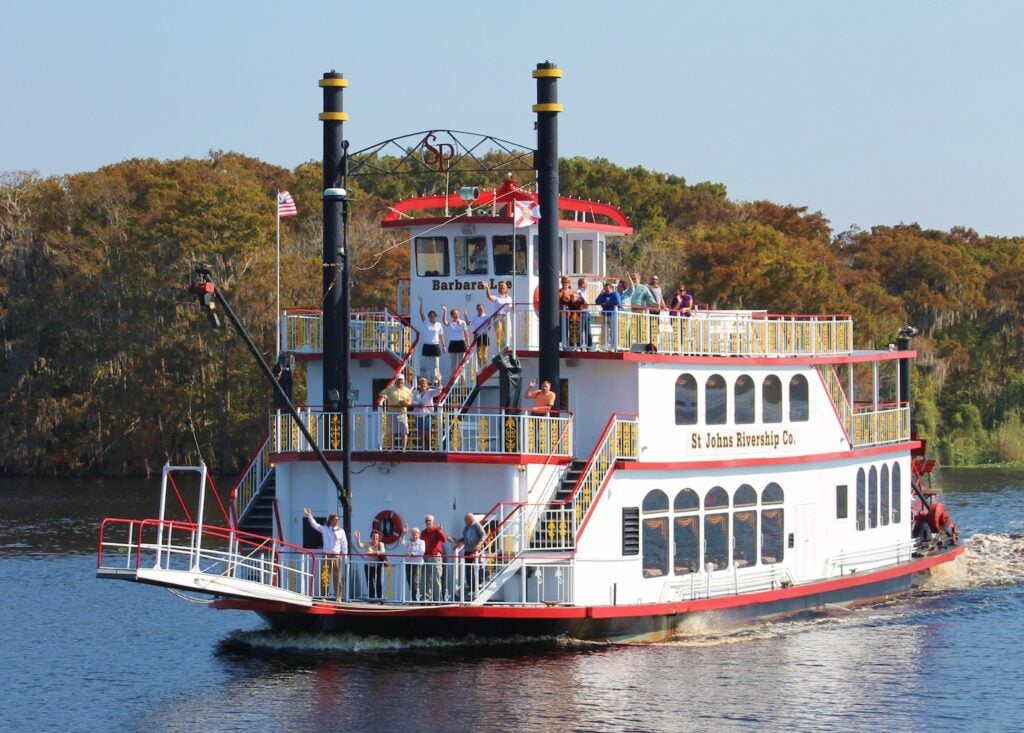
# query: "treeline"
108,367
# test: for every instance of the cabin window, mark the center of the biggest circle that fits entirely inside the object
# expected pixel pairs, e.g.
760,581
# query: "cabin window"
716,529
509,259
654,534
744,532
715,401
686,533
686,559
686,400
743,400
630,530
896,501
773,524
799,409
745,496
432,256
771,399
471,256
872,498
883,496
862,488
716,543
842,500
716,498
686,501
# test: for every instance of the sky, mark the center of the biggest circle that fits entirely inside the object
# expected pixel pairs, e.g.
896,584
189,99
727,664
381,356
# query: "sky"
871,112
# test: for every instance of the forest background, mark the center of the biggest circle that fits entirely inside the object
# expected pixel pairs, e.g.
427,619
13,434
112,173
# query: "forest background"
108,368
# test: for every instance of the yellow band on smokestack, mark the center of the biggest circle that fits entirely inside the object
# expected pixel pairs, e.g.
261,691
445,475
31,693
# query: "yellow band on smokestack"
333,116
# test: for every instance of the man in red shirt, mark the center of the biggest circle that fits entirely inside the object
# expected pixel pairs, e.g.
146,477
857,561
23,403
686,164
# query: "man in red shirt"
433,537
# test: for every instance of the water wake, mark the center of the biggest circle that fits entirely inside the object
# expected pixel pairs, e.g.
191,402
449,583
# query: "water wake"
990,560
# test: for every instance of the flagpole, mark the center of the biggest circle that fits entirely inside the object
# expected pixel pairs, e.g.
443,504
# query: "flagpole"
277,311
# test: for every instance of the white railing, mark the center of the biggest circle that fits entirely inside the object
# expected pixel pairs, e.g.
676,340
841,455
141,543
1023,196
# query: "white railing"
463,431
877,426
704,333
693,586
155,546
246,489
373,332
855,560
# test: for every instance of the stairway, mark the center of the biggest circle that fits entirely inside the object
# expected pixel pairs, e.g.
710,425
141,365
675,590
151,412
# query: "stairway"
259,518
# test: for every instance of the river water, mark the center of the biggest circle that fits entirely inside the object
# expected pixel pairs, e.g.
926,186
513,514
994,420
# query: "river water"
81,654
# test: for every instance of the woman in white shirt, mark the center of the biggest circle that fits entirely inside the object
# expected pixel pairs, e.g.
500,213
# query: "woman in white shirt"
432,334
413,549
458,336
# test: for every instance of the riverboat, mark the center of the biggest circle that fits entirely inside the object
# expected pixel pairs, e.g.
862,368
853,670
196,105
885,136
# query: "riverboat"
731,463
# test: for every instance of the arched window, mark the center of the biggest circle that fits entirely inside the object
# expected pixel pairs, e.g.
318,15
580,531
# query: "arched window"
773,524
897,494
716,529
862,499
744,527
872,498
716,408
716,498
654,534
686,400
686,500
771,399
686,532
883,496
799,409
743,400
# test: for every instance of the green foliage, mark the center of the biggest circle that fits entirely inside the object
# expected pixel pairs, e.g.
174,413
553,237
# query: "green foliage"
103,355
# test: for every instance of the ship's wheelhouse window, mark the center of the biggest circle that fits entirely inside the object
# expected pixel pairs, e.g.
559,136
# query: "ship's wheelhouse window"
509,260
654,534
773,523
872,498
883,495
471,256
686,400
743,400
771,399
716,408
799,410
432,256
686,533
896,493
862,489
842,501
583,256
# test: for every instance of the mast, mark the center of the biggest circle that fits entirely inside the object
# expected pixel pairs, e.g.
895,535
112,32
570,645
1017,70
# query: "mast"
547,108
336,299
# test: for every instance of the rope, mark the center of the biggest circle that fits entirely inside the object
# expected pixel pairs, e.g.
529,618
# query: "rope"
190,599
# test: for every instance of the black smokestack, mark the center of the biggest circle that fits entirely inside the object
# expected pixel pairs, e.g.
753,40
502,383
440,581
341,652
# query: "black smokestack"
546,163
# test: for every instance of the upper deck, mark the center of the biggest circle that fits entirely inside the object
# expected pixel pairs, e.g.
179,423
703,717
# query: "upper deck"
706,333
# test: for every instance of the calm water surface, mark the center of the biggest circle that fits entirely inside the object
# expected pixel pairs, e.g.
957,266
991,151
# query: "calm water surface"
80,654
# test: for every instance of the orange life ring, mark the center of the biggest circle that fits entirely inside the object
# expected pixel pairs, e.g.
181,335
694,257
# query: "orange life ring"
536,299
389,524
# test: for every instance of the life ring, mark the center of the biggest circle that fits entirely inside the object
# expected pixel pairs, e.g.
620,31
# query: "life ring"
536,299
389,524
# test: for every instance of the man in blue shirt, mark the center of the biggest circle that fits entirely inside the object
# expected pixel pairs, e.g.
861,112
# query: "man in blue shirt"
610,300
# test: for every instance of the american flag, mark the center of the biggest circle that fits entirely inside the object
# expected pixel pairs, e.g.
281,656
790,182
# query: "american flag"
286,205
